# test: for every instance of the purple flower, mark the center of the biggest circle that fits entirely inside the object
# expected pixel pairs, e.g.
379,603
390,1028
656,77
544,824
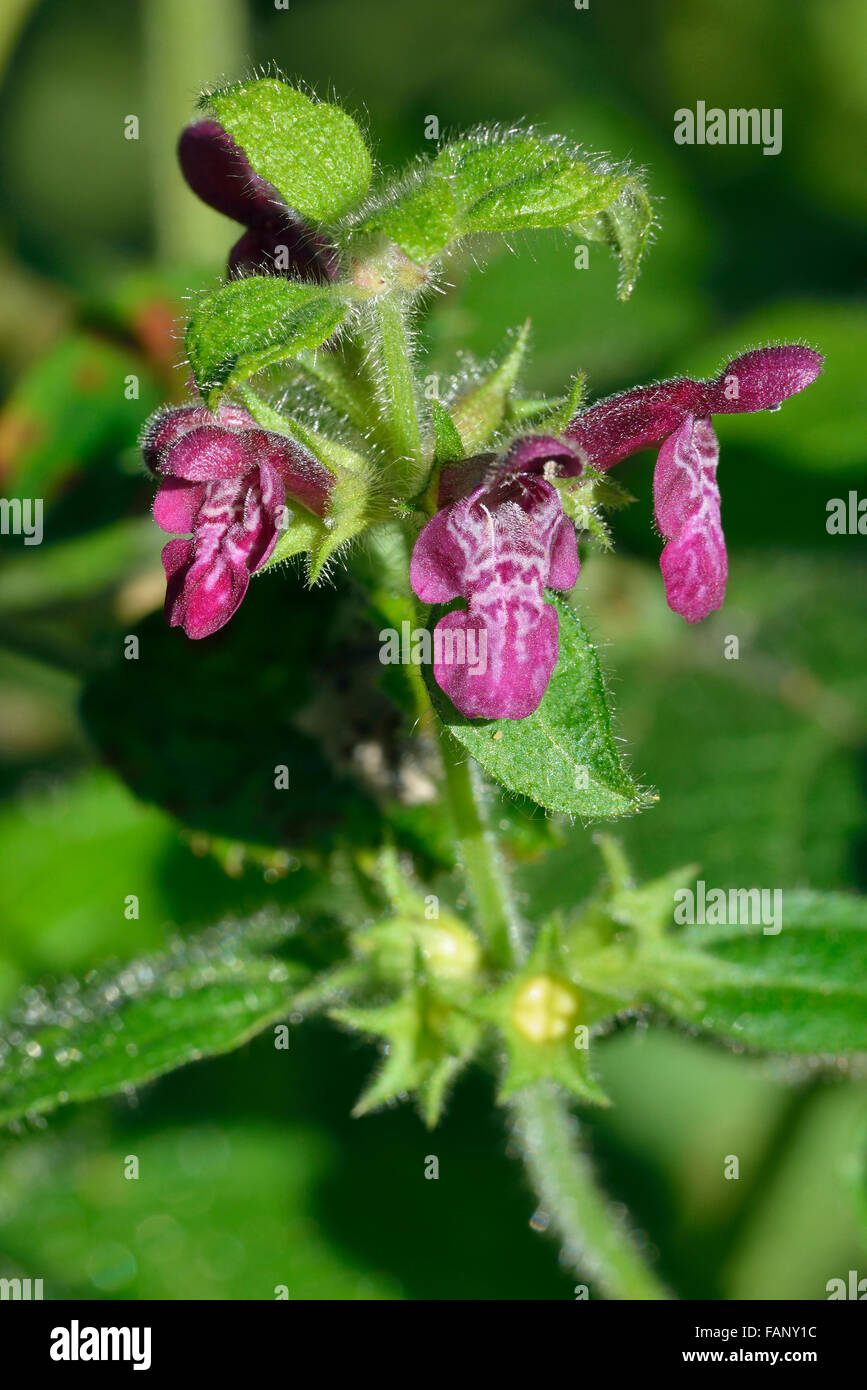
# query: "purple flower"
686,497
500,537
277,241
227,482
498,546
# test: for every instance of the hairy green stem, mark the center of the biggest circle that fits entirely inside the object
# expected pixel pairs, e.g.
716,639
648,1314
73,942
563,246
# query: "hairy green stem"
480,858
595,1241
395,390
594,1238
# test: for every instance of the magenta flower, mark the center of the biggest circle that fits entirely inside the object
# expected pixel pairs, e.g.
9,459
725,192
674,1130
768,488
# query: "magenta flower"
500,537
276,241
498,546
227,482
686,497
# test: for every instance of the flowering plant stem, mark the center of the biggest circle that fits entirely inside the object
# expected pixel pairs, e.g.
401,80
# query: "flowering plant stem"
480,859
594,1240
392,365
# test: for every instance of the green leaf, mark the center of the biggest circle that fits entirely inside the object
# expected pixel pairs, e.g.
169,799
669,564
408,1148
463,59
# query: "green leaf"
448,447
420,221
802,990
487,182
775,795
206,996
584,500
625,226
427,1044
483,410
521,182
313,153
563,756
204,728
249,324
101,844
228,1195
557,419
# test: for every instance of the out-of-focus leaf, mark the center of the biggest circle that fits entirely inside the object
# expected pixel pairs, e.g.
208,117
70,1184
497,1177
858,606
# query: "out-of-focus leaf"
71,406
482,410
75,568
216,1213
76,850
119,1029
800,990
757,759
273,732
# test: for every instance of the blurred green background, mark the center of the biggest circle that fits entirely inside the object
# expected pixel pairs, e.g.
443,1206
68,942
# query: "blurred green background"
252,1173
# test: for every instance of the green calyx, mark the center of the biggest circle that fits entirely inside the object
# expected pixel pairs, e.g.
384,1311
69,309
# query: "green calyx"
351,509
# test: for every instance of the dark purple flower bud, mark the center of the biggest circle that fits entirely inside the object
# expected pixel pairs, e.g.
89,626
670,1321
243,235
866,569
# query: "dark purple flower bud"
219,172
227,482
277,241
499,547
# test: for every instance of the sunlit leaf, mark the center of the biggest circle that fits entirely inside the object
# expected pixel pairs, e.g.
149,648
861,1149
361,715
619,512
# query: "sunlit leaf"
563,756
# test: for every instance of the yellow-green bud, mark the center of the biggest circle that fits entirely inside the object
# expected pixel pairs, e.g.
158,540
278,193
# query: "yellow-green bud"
450,952
545,1009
